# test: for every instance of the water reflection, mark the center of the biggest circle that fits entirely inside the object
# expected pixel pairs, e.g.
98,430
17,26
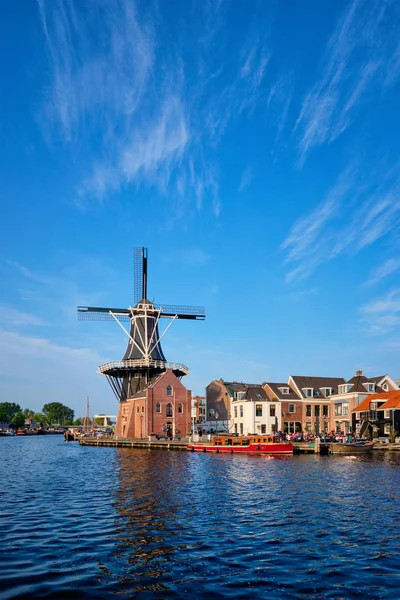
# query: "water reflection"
97,522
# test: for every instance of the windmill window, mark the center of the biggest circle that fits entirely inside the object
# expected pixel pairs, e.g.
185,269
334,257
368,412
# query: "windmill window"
137,409
180,409
169,410
169,390
158,407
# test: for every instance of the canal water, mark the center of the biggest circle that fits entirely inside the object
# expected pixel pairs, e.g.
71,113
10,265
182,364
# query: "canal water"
89,522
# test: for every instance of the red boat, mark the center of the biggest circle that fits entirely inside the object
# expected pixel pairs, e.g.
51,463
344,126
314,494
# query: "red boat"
249,444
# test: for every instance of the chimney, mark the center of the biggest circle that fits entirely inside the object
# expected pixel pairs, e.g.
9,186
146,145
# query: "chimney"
358,373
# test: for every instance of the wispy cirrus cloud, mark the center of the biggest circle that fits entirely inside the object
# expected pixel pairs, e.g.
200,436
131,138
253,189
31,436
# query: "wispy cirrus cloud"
132,108
358,53
351,217
382,315
390,266
246,179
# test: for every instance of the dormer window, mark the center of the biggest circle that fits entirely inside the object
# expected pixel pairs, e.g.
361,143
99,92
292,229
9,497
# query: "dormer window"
240,395
284,390
343,389
370,387
308,392
326,391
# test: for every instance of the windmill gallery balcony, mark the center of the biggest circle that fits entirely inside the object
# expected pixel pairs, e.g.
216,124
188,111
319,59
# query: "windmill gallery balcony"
142,363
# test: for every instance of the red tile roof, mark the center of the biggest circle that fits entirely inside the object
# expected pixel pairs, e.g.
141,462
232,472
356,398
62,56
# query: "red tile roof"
389,397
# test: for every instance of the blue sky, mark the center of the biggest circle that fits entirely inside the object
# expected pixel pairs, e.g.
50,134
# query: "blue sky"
253,147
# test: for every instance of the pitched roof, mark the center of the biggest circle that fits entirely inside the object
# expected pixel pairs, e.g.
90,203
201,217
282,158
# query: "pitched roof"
292,395
359,380
253,391
303,381
386,397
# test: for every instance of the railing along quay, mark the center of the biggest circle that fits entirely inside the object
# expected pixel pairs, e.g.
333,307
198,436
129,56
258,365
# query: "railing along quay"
153,445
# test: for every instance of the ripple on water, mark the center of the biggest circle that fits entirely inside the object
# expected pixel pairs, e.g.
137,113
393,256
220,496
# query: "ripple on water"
95,522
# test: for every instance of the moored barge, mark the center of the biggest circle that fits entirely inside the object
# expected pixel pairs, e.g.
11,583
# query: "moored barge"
247,444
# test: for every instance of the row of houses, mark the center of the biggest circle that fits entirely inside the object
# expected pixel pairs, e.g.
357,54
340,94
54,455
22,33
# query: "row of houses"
303,404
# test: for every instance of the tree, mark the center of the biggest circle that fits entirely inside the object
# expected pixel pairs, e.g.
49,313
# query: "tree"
19,419
40,418
77,422
8,410
28,413
57,413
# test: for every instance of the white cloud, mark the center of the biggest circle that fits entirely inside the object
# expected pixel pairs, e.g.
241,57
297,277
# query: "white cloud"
246,179
351,217
382,315
389,267
356,55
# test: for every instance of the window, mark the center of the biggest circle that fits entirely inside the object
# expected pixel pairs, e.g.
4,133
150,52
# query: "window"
169,390
370,387
373,405
241,410
142,409
137,409
180,409
325,410
357,415
235,411
235,427
387,428
211,412
240,395
258,410
263,429
387,414
292,408
385,387
338,410
308,427
168,411
308,410
241,428
316,410
345,409
284,390
308,392
327,392
272,410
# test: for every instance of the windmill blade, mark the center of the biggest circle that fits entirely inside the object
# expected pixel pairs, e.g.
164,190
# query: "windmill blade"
95,313
140,274
181,312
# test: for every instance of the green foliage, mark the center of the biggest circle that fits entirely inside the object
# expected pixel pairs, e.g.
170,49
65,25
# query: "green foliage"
8,410
77,422
19,419
57,414
28,413
40,418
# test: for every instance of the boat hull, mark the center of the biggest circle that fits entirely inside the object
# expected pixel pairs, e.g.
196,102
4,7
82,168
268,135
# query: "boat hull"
355,448
250,449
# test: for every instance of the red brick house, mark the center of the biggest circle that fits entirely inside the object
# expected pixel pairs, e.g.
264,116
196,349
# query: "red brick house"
163,407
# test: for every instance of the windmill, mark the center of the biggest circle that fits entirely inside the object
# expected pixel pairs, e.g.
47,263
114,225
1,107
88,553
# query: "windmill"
144,357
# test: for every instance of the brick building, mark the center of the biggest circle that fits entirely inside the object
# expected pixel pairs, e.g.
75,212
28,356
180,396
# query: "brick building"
163,407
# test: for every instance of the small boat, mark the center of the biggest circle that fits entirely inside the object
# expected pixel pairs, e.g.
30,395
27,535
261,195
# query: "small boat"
351,447
248,444
21,432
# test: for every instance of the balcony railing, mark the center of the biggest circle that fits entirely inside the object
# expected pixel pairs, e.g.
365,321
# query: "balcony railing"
142,363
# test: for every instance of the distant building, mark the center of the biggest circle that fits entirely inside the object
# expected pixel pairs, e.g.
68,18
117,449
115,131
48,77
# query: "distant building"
315,396
163,407
199,409
291,406
351,393
378,415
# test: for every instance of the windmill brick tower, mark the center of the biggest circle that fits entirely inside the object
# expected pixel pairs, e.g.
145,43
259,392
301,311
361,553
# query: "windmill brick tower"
151,395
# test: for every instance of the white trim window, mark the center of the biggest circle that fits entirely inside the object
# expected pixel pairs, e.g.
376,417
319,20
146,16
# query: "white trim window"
292,408
387,414
308,392
284,390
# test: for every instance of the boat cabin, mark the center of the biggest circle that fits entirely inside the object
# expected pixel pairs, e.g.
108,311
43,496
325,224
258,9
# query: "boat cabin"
244,440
